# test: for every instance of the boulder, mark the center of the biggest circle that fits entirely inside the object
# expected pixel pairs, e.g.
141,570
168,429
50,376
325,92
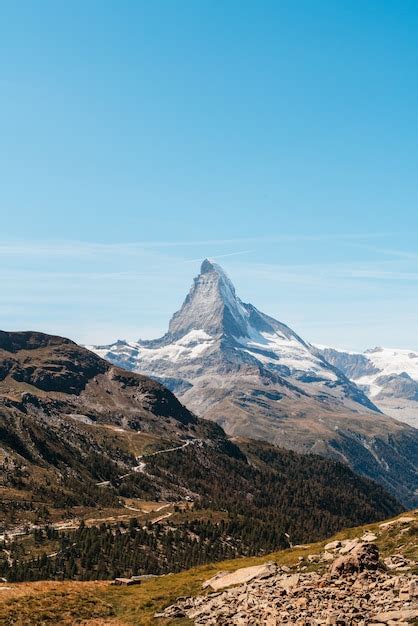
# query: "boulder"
361,558
349,545
333,545
240,576
398,562
288,583
369,536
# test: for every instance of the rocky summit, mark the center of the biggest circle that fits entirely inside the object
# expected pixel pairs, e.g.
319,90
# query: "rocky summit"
230,363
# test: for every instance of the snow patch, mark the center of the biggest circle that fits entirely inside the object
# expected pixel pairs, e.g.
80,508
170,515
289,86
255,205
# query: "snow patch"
287,351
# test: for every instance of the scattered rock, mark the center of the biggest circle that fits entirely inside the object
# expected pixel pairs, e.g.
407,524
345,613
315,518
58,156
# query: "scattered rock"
355,591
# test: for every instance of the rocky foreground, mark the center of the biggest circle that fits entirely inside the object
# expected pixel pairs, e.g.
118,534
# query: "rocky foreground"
349,584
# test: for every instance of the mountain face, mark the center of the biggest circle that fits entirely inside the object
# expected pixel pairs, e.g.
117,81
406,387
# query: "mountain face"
77,434
389,378
230,363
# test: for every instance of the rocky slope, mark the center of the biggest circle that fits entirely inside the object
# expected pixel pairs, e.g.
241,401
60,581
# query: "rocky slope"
388,377
230,363
346,582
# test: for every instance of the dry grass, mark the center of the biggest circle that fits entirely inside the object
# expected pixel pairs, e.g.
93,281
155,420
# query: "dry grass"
135,443
27,604
75,602
55,603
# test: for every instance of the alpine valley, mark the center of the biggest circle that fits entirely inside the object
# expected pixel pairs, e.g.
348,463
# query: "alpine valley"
104,473
232,364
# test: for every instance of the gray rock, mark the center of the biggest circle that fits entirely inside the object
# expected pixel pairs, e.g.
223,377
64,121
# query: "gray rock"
362,557
364,597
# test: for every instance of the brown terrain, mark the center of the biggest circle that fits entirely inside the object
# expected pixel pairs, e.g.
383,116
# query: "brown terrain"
364,575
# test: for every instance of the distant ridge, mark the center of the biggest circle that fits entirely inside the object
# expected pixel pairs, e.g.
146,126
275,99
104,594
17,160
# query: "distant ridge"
388,376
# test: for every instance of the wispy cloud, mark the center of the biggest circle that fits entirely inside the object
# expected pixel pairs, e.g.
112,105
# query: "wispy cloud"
355,275
383,275
71,248
392,252
221,256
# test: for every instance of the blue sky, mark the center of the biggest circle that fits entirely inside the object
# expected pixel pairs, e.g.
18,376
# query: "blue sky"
279,137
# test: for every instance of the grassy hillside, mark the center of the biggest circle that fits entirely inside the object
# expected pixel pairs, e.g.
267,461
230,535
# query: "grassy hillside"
246,501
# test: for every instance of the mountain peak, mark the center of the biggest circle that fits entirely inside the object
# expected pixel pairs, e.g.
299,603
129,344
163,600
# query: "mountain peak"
207,266
211,305
210,267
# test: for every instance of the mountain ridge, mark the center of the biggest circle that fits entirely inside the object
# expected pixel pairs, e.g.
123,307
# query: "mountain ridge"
231,363
389,376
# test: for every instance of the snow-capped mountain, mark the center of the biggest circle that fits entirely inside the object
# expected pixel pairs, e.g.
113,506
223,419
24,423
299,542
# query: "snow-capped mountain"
389,377
229,362
216,327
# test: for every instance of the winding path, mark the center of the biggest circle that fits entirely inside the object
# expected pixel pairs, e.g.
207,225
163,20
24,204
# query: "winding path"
141,464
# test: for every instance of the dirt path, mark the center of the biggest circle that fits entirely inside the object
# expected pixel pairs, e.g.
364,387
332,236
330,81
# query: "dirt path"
160,518
141,464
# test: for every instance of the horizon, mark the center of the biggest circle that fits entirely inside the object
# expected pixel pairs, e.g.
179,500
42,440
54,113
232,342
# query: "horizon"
280,140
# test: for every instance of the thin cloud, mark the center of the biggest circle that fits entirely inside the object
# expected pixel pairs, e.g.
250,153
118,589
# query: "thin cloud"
71,248
399,254
323,275
383,275
221,256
